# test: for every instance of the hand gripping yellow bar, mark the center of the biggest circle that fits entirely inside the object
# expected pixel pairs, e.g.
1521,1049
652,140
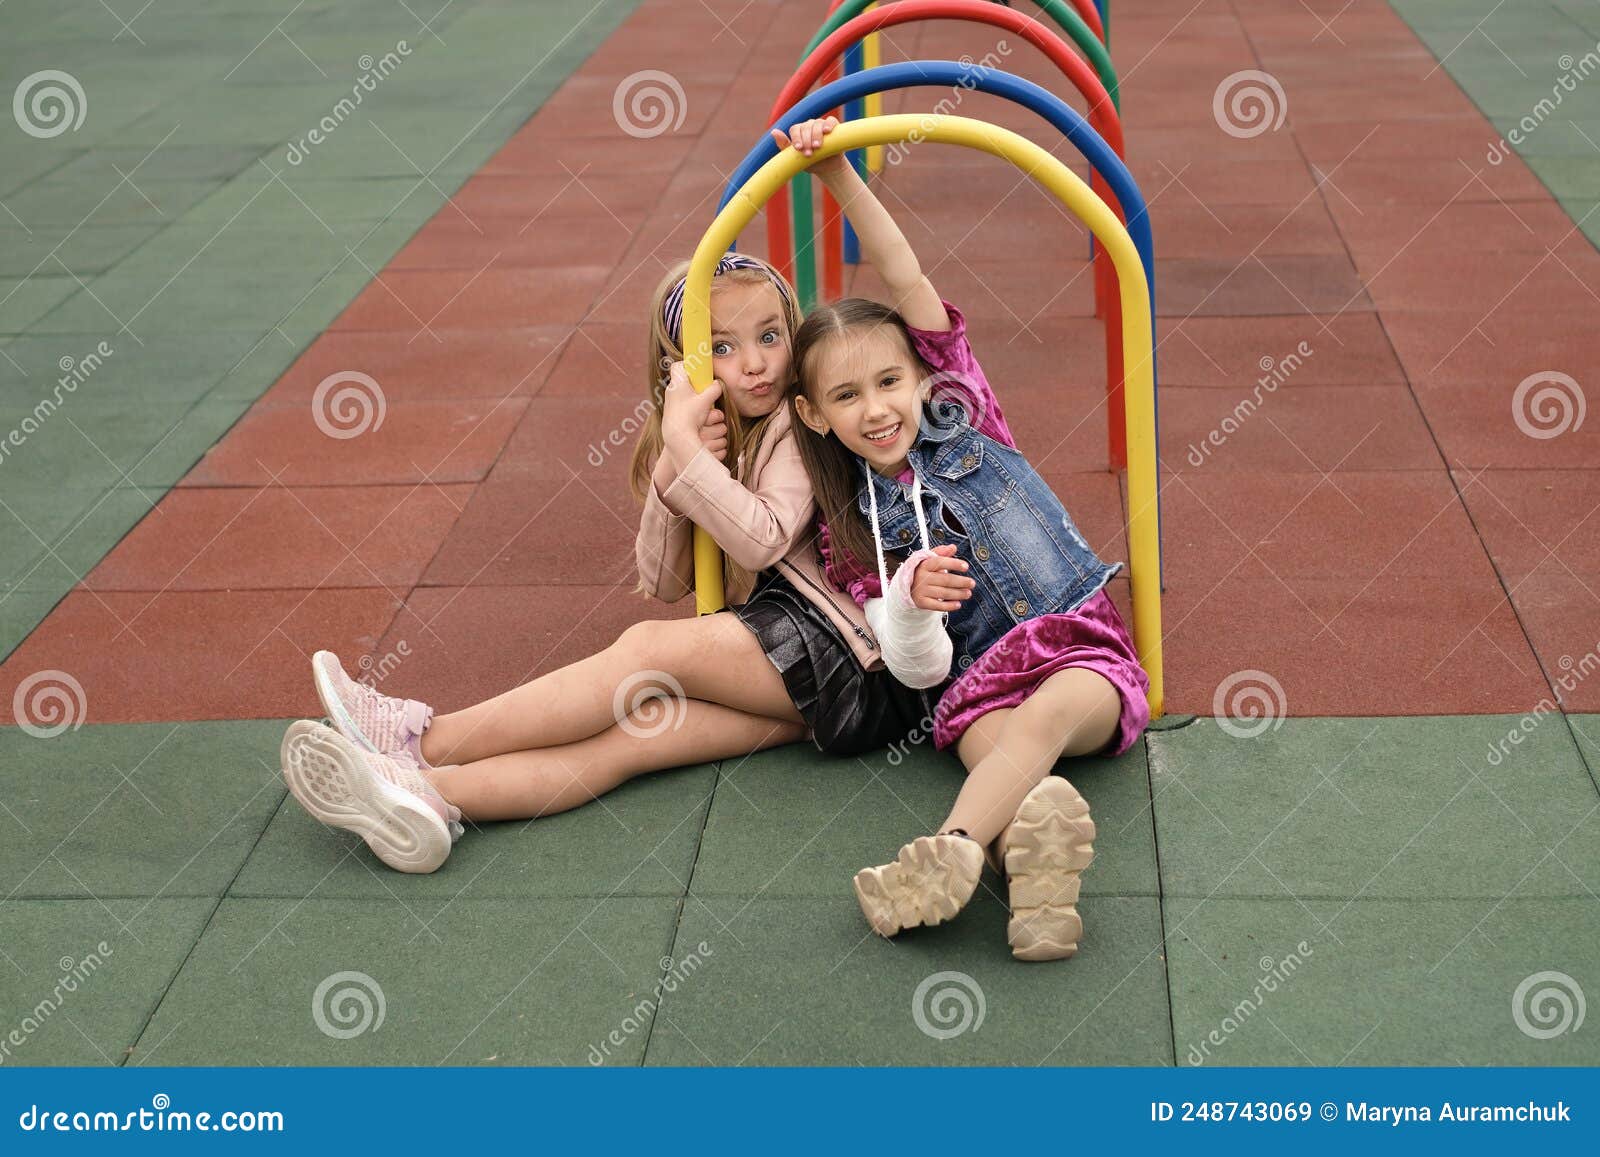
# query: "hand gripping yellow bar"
1137,337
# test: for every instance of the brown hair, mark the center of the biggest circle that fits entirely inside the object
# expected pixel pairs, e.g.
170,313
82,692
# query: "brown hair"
835,471
744,436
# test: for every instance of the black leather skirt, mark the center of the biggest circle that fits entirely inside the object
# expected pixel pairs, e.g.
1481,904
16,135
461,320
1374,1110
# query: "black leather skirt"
849,709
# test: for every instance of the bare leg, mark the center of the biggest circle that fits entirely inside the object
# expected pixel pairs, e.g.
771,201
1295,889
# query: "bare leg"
525,784
714,658
1074,712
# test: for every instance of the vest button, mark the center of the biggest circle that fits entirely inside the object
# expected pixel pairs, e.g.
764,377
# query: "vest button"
905,534
1020,606
968,461
983,553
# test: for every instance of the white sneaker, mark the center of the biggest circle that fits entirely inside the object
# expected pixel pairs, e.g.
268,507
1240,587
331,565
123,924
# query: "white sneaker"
1048,846
384,799
929,882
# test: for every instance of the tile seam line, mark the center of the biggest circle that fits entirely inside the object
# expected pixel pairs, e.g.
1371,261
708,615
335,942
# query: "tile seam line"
210,919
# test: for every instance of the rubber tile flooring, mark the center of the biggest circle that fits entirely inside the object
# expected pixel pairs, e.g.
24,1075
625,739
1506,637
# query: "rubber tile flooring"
376,393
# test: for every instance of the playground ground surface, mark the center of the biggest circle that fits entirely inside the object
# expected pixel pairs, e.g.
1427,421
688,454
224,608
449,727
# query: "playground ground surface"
1400,866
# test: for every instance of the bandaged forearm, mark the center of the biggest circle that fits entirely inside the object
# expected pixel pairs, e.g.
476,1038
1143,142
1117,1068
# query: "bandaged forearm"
915,645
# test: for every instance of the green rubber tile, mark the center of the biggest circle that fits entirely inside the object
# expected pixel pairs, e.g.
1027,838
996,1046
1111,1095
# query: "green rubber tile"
1586,728
305,247
25,300
103,168
1586,216
35,515
1552,137
117,442
803,981
78,978
59,250
20,613
1460,806
352,982
1380,982
206,299
170,368
793,822
257,199
62,563
1575,178
113,810
142,201
639,840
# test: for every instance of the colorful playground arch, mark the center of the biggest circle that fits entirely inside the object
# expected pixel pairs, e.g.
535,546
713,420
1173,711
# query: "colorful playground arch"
1107,169
794,254
1137,336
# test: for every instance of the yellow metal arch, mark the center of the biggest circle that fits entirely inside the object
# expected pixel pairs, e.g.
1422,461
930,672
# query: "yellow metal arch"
1137,339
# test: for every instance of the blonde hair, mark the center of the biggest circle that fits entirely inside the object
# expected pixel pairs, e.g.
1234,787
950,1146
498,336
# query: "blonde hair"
664,348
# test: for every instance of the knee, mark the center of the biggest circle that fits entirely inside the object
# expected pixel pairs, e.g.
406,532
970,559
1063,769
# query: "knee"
640,642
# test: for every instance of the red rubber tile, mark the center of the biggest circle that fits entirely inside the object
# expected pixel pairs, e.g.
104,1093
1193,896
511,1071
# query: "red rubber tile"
1501,347
417,442
522,528
562,436
1419,231
468,644
1562,616
557,194
1326,143
1479,426
1095,503
198,654
277,539
1537,522
582,106
1344,525
420,301
1398,647
1213,182
1008,296
602,359
457,244
1367,184
447,364
1058,355
1423,280
1307,428
1259,285
1235,353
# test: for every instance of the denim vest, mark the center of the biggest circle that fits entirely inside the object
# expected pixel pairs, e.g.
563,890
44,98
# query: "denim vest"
1027,557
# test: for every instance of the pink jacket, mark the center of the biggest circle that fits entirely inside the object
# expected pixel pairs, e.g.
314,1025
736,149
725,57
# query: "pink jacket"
772,523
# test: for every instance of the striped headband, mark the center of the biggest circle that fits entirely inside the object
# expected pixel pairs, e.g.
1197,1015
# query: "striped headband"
672,307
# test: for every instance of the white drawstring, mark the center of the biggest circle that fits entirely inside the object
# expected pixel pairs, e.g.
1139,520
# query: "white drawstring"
877,533
913,642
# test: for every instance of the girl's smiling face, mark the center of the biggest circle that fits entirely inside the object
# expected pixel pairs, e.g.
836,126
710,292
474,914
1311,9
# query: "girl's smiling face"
865,388
750,351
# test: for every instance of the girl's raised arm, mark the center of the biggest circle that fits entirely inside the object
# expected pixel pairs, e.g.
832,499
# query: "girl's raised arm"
882,243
